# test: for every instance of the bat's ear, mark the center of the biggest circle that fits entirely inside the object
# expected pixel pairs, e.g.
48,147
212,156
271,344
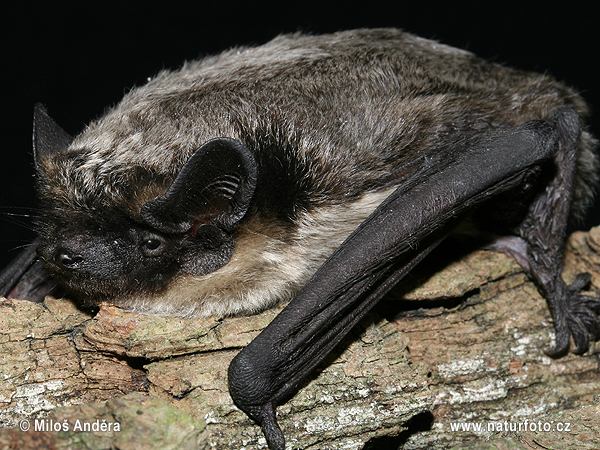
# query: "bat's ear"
214,186
48,137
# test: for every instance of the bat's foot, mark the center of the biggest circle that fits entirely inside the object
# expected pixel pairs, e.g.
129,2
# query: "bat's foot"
577,319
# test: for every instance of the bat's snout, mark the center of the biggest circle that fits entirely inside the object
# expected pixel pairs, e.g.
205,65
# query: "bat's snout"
64,256
81,254
67,259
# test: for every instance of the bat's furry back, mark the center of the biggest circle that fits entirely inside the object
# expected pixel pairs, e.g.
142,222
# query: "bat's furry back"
334,124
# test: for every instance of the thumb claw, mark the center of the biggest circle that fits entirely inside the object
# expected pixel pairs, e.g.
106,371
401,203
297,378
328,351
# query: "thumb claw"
266,417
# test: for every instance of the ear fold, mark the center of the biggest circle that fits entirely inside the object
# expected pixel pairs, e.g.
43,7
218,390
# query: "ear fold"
214,186
48,137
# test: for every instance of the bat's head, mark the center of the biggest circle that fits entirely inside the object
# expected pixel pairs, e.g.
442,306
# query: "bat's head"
140,229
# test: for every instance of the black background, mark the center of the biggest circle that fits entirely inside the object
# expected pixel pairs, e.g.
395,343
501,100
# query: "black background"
79,59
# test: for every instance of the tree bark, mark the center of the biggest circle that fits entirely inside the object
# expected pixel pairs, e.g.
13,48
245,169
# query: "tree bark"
458,344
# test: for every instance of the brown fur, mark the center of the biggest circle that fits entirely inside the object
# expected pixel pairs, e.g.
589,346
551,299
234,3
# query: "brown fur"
347,111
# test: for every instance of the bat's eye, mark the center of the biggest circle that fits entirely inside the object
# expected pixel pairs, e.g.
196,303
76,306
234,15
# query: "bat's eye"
153,245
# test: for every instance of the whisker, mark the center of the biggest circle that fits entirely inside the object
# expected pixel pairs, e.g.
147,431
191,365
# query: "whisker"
21,223
19,210
22,247
24,217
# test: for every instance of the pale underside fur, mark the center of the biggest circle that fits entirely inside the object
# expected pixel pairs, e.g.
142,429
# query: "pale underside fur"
263,270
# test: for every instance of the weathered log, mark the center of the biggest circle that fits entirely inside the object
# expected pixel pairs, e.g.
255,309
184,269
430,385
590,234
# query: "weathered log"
459,344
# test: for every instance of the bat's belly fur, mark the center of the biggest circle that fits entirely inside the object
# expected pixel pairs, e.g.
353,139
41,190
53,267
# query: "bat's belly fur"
270,269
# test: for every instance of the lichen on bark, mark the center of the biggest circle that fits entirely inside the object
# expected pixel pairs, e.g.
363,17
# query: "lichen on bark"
459,342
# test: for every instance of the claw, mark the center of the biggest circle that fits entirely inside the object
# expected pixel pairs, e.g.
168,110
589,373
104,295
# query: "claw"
588,317
580,334
266,417
561,347
591,303
581,281
579,319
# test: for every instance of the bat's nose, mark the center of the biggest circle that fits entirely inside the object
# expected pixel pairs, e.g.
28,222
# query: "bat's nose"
67,259
60,256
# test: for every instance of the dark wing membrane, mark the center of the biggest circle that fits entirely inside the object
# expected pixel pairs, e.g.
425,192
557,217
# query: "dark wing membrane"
401,231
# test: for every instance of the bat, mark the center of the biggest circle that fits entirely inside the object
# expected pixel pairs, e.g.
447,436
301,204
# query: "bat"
317,170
